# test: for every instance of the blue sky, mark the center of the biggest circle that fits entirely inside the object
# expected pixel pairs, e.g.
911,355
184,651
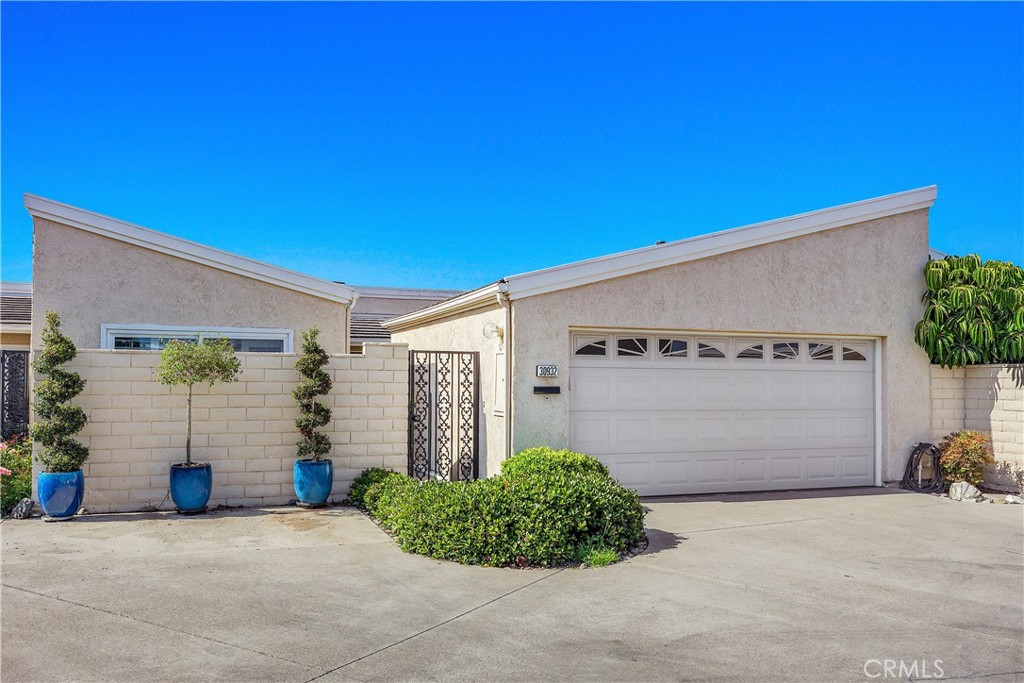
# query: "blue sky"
448,145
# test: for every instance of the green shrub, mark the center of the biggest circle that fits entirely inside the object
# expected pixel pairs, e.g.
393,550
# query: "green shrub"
974,312
542,459
59,419
366,479
538,516
15,472
963,456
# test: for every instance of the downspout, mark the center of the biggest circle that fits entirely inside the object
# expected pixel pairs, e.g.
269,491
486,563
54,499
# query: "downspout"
348,323
506,302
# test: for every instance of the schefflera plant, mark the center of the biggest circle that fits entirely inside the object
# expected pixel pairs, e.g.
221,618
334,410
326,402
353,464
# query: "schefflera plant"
59,419
315,383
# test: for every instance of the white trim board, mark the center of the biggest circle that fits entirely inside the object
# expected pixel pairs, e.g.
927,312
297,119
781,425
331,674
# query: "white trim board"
16,289
113,228
673,253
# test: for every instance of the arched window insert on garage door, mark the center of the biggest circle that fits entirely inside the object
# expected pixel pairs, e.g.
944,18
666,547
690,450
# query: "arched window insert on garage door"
591,346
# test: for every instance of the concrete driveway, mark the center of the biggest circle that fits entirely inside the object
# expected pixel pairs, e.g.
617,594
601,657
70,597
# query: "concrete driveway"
805,587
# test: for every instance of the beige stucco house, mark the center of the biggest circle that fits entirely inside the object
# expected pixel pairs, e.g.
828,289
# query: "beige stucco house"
778,355
123,286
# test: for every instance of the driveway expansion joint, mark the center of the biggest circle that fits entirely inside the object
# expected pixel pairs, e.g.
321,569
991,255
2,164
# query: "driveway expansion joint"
156,625
437,625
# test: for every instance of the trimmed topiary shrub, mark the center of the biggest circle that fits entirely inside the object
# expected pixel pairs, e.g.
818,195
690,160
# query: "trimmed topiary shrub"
315,382
542,459
187,363
59,419
549,508
963,456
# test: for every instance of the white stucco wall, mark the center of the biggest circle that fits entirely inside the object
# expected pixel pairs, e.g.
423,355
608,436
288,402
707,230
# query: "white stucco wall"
864,279
465,333
91,280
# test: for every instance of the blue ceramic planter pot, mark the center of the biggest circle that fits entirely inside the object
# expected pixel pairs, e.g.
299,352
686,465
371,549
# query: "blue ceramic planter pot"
191,486
60,493
313,481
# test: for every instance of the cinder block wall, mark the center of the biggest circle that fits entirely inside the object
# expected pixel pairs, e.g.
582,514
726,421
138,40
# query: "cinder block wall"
245,429
987,398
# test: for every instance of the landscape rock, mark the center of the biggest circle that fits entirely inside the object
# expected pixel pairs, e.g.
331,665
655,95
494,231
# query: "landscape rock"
23,510
961,490
1014,500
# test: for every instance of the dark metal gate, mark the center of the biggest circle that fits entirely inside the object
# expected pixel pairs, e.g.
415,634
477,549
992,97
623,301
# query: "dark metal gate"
14,400
444,415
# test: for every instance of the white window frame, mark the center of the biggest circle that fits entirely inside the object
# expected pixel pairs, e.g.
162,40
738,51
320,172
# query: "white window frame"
108,331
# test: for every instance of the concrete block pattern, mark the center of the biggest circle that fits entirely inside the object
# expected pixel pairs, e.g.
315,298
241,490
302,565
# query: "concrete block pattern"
986,398
245,430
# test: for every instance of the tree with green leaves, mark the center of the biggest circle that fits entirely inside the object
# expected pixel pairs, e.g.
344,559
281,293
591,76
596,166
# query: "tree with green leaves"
315,382
974,312
188,363
59,419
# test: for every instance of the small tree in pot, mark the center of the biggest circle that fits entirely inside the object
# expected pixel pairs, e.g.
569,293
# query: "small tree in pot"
62,484
313,475
188,363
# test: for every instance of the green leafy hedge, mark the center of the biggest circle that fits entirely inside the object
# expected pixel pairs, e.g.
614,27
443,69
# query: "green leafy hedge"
974,312
545,508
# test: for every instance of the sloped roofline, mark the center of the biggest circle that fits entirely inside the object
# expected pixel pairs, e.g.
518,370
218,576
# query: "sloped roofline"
122,231
672,253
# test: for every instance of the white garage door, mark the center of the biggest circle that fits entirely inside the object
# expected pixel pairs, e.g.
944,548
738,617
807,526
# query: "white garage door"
677,413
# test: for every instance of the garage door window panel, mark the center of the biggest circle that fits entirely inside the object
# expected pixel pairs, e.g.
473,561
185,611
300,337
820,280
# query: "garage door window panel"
855,353
786,350
631,347
750,351
820,351
591,346
710,350
670,347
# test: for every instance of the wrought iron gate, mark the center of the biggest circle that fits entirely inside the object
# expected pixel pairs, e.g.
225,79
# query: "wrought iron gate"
14,401
444,415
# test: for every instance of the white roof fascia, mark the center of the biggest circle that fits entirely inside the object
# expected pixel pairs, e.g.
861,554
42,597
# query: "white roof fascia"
16,288
470,301
713,244
187,250
402,293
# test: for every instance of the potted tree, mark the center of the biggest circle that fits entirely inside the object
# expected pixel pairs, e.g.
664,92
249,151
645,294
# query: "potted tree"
313,475
188,363
62,483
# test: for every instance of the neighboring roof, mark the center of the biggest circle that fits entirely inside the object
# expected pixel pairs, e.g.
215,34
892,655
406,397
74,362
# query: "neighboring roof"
935,254
367,327
15,305
187,250
403,293
671,253
15,310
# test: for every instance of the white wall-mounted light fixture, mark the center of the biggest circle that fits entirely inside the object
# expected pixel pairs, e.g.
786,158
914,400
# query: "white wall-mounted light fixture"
493,331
